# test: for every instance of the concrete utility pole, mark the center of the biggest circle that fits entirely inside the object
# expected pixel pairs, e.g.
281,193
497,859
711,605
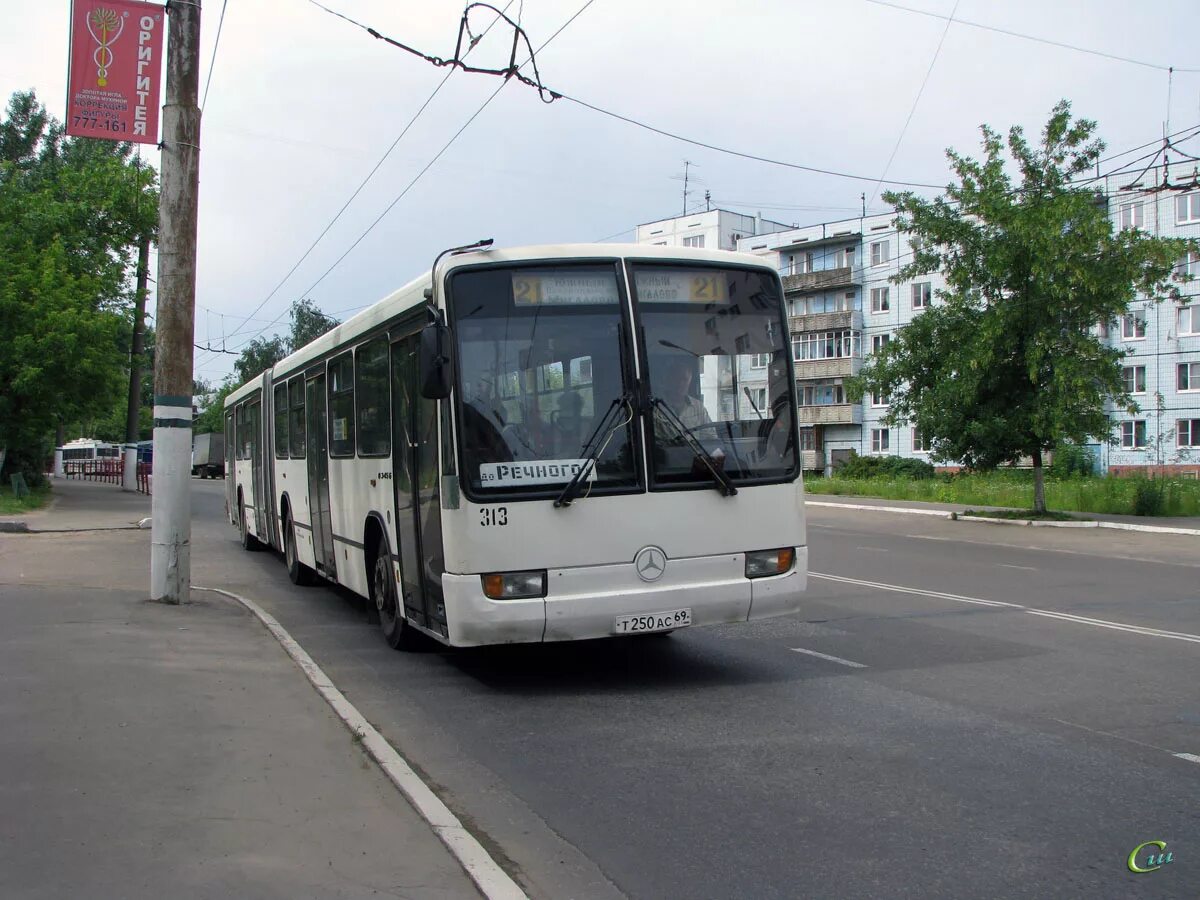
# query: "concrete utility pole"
129,479
171,529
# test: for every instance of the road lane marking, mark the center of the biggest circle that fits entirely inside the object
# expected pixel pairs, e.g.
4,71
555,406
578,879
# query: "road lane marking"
1119,626
1190,757
1050,614
876,549
1010,566
836,659
899,589
493,882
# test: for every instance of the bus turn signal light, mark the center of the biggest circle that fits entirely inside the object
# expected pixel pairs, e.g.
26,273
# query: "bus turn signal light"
761,563
515,585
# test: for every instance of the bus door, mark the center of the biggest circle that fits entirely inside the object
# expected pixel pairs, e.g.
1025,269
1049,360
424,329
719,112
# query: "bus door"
318,474
257,449
418,504
230,467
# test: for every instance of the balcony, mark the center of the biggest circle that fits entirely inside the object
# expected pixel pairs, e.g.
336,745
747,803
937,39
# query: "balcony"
829,279
833,414
811,460
827,321
841,366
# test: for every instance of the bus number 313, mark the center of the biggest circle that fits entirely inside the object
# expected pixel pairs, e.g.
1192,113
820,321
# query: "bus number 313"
497,516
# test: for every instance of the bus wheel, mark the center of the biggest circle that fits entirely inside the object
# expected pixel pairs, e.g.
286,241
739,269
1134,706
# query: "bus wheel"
383,591
249,541
298,572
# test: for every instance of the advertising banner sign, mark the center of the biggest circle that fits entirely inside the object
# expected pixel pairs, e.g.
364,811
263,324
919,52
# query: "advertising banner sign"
115,73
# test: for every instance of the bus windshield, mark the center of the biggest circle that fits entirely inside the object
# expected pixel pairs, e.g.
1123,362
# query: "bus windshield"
716,359
541,361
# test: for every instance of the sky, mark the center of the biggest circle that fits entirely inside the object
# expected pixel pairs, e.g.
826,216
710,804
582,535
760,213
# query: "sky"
302,105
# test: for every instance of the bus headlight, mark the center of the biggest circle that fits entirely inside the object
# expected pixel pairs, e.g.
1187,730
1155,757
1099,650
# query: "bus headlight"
515,585
769,562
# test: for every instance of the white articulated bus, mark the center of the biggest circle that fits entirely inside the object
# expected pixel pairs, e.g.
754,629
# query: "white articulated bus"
538,444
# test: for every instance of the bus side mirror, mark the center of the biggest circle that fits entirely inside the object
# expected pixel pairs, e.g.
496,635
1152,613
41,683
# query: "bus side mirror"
434,361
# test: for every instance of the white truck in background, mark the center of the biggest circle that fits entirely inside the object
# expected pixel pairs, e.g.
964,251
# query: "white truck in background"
208,455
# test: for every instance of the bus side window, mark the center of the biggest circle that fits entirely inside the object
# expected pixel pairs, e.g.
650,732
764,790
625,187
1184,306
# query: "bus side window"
281,421
296,424
341,406
374,402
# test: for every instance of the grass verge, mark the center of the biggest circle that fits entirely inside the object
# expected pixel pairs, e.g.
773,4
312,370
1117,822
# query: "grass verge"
11,505
1049,515
1105,495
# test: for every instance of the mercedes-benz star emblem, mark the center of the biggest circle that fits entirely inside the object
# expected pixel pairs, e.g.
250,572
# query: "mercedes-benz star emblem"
650,563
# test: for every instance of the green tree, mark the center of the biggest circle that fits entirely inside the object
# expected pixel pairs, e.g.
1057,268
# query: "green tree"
258,356
71,214
211,418
1006,365
308,323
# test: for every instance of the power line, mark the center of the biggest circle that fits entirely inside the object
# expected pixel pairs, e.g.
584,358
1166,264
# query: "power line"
1030,37
429,165
920,91
213,61
361,185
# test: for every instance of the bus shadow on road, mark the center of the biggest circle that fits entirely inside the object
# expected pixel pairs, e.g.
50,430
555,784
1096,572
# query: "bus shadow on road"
675,663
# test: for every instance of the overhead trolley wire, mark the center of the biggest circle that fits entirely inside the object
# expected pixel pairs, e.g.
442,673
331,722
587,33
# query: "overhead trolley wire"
1030,37
439,154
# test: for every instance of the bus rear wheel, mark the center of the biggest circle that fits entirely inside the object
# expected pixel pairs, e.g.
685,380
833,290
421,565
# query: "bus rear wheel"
396,631
298,572
249,541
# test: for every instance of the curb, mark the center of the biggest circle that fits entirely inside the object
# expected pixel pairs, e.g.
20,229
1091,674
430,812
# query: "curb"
943,514
491,880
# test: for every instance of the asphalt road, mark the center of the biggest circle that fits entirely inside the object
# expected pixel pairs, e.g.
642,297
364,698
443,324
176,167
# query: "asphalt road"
908,735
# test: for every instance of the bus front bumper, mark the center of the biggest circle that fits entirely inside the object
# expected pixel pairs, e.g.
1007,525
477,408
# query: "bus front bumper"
585,602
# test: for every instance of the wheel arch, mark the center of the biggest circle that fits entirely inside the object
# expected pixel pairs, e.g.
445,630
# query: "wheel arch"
374,530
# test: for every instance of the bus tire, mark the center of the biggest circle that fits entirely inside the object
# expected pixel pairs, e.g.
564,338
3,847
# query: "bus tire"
249,541
396,630
298,572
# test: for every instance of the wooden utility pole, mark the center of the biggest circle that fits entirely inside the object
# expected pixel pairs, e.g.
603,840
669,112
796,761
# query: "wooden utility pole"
171,529
129,480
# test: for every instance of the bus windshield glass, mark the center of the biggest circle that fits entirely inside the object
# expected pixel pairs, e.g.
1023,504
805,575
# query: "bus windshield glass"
716,359
541,362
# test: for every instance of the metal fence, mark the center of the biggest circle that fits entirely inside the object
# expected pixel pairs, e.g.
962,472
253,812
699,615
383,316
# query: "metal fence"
107,470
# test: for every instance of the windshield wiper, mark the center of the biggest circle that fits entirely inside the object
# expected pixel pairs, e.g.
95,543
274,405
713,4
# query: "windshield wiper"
724,485
590,451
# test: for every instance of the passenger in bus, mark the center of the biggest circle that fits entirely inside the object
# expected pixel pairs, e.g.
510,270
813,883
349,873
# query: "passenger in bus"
568,422
674,388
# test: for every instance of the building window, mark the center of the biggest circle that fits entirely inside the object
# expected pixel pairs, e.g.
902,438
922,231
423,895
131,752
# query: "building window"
1133,328
922,294
1188,319
879,253
826,345
1187,209
880,440
1133,434
844,258
1102,330
758,399
759,360
803,262
919,441
1187,432
878,398
822,393
696,240
1131,214
1190,264
1187,377
1133,378
878,342
849,302
880,301
808,439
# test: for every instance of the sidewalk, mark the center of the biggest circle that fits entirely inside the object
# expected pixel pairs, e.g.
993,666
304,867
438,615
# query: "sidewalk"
79,505
916,506
153,751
